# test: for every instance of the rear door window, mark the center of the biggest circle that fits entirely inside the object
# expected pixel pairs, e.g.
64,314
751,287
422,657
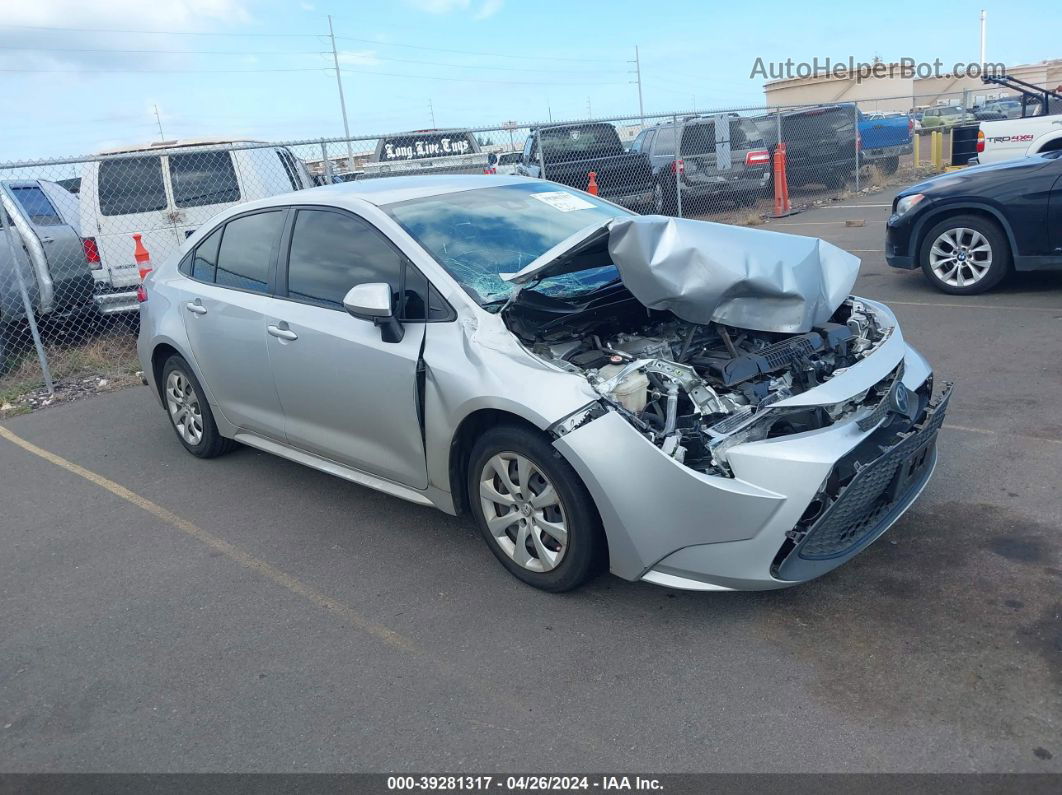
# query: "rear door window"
248,248
131,185
37,206
202,178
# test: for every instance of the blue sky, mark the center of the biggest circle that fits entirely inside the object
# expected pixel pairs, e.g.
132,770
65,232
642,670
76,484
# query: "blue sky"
477,62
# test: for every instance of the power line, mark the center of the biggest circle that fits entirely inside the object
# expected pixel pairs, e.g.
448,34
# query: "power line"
161,71
474,52
473,80
161,32
480,67
292,52
166,52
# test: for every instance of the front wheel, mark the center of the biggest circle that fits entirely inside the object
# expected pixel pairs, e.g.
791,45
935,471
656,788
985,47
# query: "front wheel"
532,509
965,255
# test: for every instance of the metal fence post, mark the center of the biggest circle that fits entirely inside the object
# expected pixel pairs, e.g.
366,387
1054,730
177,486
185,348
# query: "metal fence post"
26,303
326,164
679,165
541,156
855,127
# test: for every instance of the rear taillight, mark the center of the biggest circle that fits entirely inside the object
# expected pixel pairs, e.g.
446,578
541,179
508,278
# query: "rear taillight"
757,157
859,142
678,166
92,253
910,125
141,294
980,140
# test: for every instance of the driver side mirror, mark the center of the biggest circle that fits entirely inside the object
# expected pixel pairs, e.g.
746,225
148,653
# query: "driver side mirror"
373,302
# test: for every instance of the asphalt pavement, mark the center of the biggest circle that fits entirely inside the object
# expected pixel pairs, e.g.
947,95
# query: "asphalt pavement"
161,613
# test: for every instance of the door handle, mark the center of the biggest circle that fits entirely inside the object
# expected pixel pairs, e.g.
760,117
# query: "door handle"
47,239
282,333
195,309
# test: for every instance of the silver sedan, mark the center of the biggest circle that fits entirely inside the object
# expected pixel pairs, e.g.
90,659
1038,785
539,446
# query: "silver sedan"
689,404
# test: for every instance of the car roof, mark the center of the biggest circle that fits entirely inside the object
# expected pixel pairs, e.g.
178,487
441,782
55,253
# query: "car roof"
388,190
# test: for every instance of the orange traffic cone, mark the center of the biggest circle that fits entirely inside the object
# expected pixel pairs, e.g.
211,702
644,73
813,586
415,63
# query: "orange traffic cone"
143,259
592,187
782,206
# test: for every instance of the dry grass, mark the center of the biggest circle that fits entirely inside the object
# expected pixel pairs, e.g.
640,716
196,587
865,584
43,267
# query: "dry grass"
109,355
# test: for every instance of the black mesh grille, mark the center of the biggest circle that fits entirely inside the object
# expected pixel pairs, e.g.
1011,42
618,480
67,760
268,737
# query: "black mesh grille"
784,353
873,491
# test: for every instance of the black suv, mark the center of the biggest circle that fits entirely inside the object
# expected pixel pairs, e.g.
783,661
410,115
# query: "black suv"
820,143
721,156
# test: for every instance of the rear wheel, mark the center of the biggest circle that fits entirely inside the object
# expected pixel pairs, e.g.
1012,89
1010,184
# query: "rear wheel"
664,199
964,255
532,509
189,412
890,164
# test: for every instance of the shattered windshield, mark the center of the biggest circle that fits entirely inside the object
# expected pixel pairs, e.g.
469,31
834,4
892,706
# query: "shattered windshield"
479,234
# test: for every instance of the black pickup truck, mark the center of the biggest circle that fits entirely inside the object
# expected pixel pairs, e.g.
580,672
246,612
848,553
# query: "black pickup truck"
570,152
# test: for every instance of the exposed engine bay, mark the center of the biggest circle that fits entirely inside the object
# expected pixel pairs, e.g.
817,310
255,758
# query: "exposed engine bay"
695,390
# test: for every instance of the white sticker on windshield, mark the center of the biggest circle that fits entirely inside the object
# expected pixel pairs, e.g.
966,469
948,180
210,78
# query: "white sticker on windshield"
563,201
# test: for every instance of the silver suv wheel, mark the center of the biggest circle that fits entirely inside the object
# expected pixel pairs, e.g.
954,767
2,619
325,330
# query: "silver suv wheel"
960,257
182,402
523,512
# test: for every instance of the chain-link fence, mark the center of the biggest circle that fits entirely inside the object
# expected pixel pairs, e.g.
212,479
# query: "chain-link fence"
77,232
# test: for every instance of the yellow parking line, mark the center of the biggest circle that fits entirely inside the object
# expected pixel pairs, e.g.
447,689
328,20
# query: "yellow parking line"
231,551
935,304
989,432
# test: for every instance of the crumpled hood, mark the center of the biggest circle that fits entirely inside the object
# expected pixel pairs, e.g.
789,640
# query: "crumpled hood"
750,278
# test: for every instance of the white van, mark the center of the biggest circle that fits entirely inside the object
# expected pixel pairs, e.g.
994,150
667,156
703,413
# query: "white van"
164,191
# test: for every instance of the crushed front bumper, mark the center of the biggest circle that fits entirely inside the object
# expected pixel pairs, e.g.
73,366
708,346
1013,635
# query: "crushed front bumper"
674,526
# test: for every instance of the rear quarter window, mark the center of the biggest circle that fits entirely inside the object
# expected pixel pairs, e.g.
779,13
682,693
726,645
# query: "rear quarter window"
131,185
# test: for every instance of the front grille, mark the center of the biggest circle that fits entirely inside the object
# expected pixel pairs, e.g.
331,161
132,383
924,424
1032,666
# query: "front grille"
873,491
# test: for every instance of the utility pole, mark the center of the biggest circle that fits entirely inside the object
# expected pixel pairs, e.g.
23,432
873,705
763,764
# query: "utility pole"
162,136
342,102
984,21
431,110
638,79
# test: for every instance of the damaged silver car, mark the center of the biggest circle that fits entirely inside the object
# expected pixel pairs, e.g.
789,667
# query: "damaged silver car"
690,404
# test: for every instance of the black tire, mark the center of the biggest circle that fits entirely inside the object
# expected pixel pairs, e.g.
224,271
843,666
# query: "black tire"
890,164
664,199
586,548
1000,253
212,443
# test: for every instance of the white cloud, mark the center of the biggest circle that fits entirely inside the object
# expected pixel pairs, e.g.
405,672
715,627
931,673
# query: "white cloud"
168,15
488,9
307,6
358,57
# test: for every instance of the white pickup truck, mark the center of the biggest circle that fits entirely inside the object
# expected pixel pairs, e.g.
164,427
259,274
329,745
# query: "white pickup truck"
1008,139
1039,128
